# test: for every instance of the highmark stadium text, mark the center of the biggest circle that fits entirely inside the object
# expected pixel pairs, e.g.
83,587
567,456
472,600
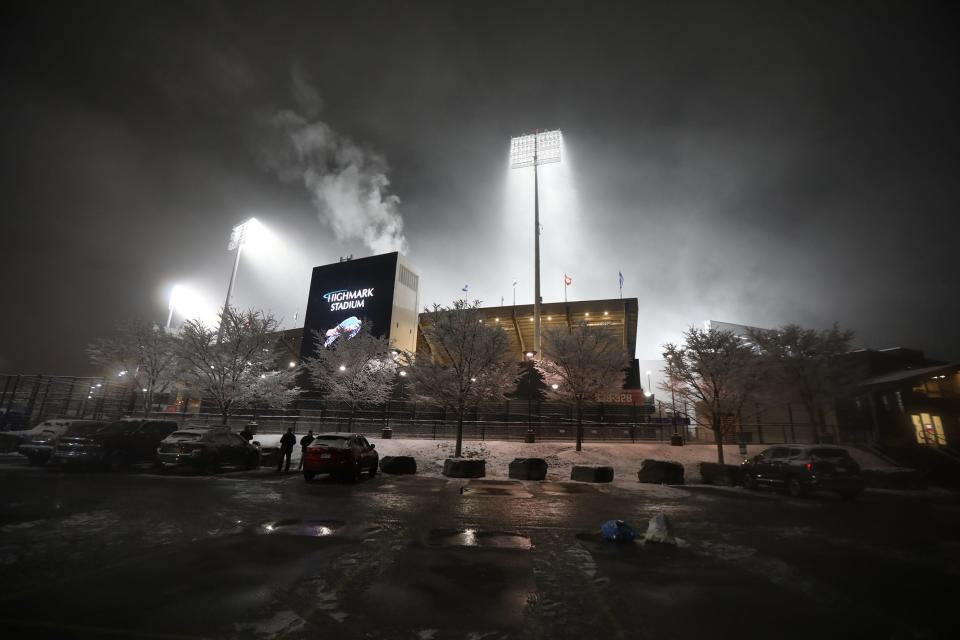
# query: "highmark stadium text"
345,299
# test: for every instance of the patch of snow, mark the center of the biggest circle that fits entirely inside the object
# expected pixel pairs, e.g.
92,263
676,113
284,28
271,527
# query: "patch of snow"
280,622
660,530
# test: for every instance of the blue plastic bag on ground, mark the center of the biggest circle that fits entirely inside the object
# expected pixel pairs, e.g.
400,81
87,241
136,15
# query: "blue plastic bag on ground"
618,531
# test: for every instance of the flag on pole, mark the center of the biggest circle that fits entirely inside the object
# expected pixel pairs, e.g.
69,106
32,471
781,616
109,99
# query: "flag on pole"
567,280
621,278
515,282
465,287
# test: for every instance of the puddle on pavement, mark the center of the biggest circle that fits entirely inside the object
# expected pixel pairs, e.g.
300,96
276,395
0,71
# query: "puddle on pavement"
476,538
564,488
502,488
310,527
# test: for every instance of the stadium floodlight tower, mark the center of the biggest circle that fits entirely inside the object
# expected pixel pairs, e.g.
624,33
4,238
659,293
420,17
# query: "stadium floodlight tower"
532,150
239,236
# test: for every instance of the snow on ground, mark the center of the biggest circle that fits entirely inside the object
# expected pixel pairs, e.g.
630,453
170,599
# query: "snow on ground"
624,457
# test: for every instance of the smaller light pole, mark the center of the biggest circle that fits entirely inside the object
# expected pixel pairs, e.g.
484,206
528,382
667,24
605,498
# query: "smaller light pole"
238,238
649,384
175,294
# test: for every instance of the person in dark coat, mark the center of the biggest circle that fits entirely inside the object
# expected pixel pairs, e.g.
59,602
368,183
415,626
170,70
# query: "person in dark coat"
286,449
304,443
247,433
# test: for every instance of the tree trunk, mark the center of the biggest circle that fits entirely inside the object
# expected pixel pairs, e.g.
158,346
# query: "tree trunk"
457,451
718,436
353,412
579,426
223,417
147,403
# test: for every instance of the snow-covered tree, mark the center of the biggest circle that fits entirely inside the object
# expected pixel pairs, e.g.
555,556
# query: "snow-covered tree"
141,353
582,361
238,371
469,360
809,362
716,371
357,371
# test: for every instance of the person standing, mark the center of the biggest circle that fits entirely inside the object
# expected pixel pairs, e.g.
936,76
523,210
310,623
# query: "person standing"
304,443
286,449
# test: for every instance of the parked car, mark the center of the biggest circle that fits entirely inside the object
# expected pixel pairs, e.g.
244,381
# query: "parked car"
206,449
344,455
38,447
801,469
11,440
116,445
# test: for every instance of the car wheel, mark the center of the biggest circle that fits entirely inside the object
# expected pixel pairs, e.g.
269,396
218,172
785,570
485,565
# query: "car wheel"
36,460
308,476
212,464
749,482
252,461
794,488
373,469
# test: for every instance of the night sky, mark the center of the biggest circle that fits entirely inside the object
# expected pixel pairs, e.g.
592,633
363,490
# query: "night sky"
757,163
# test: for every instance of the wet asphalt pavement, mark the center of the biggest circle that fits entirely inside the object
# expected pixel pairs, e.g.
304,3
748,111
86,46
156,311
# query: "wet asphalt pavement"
141,554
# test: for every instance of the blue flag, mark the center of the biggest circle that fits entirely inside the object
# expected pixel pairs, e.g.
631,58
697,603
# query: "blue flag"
465,287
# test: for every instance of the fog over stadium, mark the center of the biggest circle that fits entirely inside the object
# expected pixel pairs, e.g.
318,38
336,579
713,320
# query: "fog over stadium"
759,166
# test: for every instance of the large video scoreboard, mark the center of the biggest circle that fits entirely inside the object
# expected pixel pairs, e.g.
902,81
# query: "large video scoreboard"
379,293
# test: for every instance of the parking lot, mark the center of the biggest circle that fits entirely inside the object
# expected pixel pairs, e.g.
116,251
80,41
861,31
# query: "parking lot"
255,554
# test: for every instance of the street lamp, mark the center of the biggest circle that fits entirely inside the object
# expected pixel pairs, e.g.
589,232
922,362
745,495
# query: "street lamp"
649,384
239,236
673,398
532,150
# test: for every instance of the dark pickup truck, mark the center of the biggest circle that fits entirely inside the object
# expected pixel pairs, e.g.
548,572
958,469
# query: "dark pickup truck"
116,445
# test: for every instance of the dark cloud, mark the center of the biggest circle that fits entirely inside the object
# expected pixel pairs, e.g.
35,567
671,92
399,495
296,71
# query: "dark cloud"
752,162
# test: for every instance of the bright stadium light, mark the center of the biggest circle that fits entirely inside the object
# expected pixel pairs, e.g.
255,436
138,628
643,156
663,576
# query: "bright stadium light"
533,150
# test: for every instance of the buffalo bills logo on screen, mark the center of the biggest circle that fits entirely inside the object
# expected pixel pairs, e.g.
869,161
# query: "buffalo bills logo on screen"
349,327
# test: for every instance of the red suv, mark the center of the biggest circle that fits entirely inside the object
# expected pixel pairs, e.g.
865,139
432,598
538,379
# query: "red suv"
344,455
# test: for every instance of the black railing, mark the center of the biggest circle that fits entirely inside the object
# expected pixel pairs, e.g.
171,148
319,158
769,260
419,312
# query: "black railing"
25,400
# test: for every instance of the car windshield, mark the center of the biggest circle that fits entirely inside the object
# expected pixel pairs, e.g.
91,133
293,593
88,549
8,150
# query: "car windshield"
332,442
830,453
83,428
184,436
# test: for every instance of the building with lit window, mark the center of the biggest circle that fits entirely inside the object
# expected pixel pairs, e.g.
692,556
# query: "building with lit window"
903,400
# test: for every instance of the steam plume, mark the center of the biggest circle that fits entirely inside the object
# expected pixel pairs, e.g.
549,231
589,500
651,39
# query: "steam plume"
348,184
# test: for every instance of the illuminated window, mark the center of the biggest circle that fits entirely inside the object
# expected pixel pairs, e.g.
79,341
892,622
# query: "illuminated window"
928,429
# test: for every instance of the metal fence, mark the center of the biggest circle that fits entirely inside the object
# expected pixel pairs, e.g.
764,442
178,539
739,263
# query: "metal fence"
27,399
